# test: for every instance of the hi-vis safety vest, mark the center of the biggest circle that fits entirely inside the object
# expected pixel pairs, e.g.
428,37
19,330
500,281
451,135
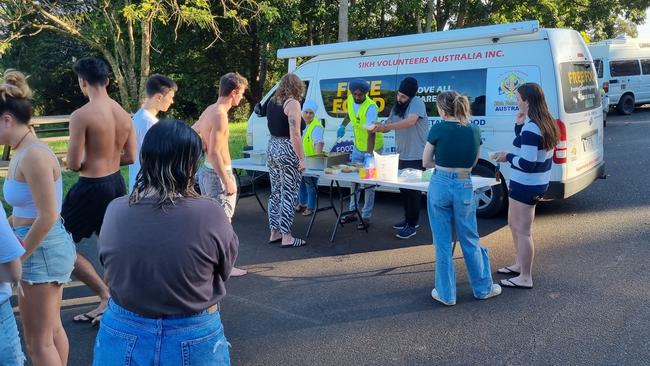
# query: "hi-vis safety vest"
307,140
359,122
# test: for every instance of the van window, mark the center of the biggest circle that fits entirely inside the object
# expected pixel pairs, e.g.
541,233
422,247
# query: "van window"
470,83
335,94
624,68
599,68
579,87
645,66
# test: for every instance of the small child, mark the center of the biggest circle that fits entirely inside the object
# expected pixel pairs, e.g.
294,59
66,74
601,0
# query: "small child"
312,141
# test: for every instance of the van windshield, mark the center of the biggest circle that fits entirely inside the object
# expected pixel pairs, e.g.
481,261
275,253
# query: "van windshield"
579,87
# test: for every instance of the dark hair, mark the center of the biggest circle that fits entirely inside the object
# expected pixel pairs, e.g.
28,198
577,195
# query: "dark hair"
157,83
15,96
92,69
231,81
169,158
539,114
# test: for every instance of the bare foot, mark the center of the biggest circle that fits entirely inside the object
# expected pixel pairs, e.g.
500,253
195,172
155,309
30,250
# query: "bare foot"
237,272
275,236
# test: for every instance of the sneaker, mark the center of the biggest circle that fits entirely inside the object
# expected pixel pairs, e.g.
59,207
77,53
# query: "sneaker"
402,224
495,291
435,296
406,232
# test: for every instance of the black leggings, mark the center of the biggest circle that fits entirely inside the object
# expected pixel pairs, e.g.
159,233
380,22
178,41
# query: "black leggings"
412,199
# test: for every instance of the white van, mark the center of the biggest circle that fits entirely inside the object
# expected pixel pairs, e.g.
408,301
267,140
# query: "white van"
486,64
623,69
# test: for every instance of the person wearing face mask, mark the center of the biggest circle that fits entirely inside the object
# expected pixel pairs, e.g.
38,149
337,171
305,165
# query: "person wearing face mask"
160,96
409,120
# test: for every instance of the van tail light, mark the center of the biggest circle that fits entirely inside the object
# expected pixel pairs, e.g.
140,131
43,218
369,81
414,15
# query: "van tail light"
560,153
606,86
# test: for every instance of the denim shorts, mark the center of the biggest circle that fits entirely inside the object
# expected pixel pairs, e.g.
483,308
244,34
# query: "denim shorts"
126,338
211,186
526,194
10,352
53,260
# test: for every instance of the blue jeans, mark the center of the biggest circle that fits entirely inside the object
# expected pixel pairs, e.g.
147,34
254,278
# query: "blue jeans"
308,192
10,352
369,193
451,203
126,338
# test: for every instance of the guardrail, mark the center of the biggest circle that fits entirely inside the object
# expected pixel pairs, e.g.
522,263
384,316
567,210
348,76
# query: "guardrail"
44,129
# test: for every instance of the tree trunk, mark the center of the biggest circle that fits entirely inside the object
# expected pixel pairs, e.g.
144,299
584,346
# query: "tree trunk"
343,20
441,16
429,19
462,14
145,59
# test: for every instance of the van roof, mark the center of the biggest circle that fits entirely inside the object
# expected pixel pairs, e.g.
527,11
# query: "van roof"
489,32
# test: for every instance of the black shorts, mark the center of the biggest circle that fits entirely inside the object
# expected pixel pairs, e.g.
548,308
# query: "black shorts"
85,204
526,194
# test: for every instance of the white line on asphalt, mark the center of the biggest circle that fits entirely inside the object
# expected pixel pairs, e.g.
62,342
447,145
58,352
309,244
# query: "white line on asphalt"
271,308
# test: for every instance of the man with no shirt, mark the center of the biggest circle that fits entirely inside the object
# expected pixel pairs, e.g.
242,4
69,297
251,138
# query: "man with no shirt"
101,140
216,178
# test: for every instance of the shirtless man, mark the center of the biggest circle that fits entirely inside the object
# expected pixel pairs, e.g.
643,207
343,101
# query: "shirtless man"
102,139
216,178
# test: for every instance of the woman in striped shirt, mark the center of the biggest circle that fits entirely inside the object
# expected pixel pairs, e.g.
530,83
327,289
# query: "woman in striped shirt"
531,161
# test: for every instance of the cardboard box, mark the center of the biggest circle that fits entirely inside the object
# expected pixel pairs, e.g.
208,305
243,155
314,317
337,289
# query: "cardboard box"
320,162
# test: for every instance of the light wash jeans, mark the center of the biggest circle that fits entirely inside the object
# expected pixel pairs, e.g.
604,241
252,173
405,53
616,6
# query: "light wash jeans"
126,338
10,352
308,192
451,202
369,193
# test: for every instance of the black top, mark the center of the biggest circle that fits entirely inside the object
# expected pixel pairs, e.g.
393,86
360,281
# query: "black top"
277,121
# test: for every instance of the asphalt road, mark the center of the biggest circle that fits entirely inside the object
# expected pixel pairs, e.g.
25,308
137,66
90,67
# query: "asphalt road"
365,300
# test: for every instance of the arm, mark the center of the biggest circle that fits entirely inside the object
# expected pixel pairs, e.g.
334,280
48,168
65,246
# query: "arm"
216,141
74,158
128,151
292,110
427,156
527,160
37,170
407,122
11,271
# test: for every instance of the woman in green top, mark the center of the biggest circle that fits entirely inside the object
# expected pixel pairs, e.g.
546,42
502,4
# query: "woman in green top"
452,148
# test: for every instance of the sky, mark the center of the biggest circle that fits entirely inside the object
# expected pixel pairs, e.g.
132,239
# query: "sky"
644,29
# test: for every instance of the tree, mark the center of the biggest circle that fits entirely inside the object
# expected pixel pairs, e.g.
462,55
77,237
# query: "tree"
343,20
122,31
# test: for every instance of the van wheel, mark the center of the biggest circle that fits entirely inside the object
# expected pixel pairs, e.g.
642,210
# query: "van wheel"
625,105
493,201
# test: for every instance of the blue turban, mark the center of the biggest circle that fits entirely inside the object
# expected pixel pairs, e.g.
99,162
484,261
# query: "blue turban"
359,84
310,104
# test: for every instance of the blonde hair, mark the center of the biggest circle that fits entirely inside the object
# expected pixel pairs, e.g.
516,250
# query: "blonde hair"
15,95
291,86
455,105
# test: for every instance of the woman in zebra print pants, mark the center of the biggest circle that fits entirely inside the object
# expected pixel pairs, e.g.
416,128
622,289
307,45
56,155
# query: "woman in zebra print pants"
286,159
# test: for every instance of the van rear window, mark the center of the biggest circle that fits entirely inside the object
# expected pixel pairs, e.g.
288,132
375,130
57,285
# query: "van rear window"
579,87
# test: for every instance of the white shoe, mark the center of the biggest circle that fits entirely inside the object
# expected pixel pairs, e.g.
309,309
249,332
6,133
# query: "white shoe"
495,291
435,296
237,272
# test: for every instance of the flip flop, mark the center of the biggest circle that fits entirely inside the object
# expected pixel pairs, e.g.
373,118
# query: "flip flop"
86,318
307,212
361,226
296,243
510,284
275,241
507,271
348,219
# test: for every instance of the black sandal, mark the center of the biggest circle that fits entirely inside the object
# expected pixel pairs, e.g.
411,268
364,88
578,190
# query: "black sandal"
348,218
296,243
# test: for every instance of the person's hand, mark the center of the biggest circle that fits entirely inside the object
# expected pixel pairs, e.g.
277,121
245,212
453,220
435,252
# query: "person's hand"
501,157
340,132
301,165
380,127
231,186
521,117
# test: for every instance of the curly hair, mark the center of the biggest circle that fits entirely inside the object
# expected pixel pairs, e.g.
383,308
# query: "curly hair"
291,86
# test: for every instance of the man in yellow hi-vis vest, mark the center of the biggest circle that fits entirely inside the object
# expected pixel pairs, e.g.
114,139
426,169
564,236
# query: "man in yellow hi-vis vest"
362,113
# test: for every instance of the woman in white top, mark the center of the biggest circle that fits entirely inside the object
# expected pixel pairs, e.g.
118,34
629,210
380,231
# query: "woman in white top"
34,189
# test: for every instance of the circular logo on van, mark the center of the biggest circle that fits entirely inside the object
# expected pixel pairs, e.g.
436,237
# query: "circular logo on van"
509,84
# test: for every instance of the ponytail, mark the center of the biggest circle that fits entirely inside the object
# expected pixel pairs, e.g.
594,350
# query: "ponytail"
455,105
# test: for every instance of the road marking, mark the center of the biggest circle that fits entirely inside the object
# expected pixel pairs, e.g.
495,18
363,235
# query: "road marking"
88,300
274,309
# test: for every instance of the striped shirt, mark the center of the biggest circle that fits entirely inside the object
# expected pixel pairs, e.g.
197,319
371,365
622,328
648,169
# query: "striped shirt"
531,163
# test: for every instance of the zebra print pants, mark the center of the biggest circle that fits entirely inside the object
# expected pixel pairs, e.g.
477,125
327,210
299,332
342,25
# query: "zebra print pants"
285,183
